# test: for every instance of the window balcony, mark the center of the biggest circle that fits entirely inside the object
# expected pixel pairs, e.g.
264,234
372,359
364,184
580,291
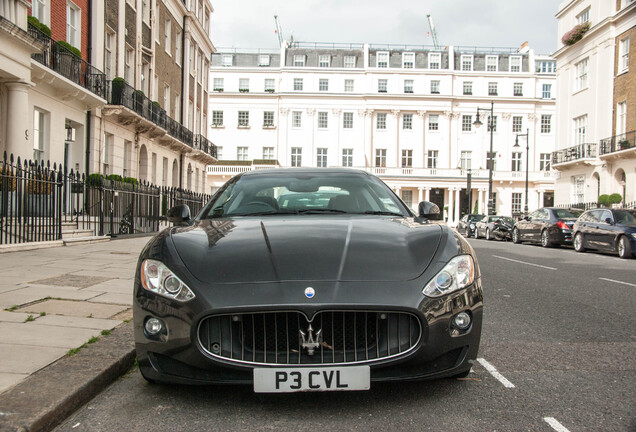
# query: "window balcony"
581,153
65,63
623,145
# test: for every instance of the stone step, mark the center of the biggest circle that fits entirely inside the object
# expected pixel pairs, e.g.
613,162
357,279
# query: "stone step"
85,240
74,233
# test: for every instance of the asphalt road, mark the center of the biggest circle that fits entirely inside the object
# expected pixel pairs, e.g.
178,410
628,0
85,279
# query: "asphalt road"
558,354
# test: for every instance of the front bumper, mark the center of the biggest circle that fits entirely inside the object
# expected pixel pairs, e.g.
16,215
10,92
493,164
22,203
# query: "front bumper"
177,356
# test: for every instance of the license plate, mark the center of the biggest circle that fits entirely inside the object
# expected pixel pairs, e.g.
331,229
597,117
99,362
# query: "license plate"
287,380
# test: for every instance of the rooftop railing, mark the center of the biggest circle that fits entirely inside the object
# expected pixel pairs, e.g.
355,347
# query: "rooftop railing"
70,66
617,143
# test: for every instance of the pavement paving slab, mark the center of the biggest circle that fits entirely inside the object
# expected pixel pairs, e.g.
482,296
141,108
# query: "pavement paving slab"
26,359
75,308
72,280
16,317
31,334
77,322
114,298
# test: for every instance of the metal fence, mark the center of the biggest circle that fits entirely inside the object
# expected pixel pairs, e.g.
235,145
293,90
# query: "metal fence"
38,200
595,204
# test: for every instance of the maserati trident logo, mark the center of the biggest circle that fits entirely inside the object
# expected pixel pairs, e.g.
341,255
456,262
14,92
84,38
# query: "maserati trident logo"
309,340
310,292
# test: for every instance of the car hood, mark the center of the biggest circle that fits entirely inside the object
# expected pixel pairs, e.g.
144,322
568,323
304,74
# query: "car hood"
334,248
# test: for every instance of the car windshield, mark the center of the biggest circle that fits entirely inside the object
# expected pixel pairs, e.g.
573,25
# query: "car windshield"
565,214
475,217
507,219
625,217
302,193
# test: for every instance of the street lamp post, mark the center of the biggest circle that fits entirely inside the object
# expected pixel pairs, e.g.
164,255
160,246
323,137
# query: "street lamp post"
490,160
527,135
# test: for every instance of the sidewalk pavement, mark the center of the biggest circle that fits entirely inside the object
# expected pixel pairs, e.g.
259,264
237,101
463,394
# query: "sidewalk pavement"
52,302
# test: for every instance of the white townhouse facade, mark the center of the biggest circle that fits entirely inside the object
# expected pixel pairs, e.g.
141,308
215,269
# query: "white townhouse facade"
404,113
596,101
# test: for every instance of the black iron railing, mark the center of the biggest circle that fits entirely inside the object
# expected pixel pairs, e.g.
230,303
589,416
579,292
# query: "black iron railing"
205,145
617,143
120,93
570,154
66,63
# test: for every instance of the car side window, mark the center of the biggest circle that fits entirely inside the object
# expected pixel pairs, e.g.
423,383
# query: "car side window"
605,214
534,215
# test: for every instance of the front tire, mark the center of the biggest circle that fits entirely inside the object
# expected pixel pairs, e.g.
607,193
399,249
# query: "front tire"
624,248
545,239
488,236
476,233
578,243
516,236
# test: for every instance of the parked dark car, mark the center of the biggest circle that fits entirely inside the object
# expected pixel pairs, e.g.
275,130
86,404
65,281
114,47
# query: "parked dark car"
306,280
466,224
549,226
608,230
486,226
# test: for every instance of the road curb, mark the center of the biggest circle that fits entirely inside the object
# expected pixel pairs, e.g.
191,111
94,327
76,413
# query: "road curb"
46,398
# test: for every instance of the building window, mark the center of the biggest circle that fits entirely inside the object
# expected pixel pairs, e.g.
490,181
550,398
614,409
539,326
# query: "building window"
515,64
296,156
492,89
347,120
348,85
408,60
468,87
323,61
297,119
544,161
263,60
128,60
298,84
465,160
166,97
382,85
467,123
382,60
516,202
492,124
268,119
580,81
583,17
381,121
167,39
299,60
242,153
431,158
408,86
467,62
517,89
547,67
407,197
109,44
243,118
177,47
433,122
517,124
323,120
546,91
244,85
623,55
217,118
380,157
145,77
39,134
434,60
38,10
323,84
321,158
227,60
435,87
407,158
347,157
516,161
407,121
546,123
580,126
621,118
268,153
269,84
108,156
73,24
350,61
578,189
218,84
491,63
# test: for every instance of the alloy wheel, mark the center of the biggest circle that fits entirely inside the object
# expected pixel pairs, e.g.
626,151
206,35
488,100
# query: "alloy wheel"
516,237
545,239
624,248
488,234
578,242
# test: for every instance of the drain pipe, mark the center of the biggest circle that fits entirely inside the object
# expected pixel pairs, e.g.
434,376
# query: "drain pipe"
89,113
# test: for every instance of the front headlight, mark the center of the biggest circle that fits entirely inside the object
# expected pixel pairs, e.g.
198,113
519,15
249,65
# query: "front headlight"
158,278
472,226
457,274
634,235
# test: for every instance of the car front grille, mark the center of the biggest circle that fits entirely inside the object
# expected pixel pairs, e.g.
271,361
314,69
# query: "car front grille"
285,338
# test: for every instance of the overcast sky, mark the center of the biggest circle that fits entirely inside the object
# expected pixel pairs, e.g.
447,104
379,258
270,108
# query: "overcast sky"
481,23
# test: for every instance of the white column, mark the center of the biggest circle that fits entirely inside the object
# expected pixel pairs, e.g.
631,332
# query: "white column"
481,201
540,204
420,194
427,196
456,218
450,205
19,121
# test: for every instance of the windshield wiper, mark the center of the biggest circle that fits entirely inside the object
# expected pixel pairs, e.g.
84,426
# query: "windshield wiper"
263,213
320,210
383,213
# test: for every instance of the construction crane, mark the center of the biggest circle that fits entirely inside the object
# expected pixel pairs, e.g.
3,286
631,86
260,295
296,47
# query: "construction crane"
278,31
433,32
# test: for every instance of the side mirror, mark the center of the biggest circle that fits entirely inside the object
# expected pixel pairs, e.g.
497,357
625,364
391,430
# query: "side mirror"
429,210
179,215
609,221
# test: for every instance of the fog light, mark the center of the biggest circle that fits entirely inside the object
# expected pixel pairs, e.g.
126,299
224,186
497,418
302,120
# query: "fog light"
154,326
461,321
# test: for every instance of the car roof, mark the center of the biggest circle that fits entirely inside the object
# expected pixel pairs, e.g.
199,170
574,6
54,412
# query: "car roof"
295,171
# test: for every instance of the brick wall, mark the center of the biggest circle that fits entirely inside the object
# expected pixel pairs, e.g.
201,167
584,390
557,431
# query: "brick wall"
58,22
168,72
625,83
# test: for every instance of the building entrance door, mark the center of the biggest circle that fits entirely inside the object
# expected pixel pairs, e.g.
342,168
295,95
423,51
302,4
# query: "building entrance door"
437,197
